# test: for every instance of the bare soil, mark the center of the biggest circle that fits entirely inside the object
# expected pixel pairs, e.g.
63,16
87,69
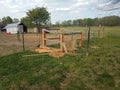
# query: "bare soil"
11,43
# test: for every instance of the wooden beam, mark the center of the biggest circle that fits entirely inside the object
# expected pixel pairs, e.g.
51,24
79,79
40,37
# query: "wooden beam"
80,39
61,40
43,38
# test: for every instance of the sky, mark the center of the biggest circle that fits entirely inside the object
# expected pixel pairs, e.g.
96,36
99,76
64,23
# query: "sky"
59,10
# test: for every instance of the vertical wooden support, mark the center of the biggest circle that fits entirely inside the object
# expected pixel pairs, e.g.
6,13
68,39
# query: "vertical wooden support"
61,40
43,38
23,41
88,43
80,39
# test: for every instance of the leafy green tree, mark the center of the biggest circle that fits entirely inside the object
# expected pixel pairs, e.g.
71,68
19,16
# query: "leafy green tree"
57,24
27,22
76,22
64,23
7,20
106,21
38,16
69,23
0,21
15,20
110,21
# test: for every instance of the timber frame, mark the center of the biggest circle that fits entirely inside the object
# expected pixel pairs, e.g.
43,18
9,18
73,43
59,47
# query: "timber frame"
43,48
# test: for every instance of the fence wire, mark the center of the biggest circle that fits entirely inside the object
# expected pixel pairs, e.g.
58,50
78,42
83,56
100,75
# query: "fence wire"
12,43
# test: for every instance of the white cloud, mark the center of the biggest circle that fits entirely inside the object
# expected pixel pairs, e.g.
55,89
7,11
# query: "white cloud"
71,7
81,3
59,9
63,9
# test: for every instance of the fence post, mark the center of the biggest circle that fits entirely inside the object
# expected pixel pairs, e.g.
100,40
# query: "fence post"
43,38
88,43
81,39
61,40
23,41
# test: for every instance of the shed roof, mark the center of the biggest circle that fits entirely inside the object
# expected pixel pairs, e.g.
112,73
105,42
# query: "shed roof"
12,25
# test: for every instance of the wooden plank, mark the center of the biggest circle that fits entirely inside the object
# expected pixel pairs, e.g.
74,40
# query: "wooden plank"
65,49
52,40
43,38
72,33
43,50
61,40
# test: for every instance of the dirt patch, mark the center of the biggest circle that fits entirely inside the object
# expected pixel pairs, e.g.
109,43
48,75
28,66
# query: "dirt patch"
56,54
10,43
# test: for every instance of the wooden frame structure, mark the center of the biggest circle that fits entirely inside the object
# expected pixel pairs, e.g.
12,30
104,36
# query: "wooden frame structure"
43,48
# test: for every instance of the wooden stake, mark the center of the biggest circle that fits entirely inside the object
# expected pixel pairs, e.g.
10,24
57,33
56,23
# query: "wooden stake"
23,41
88,43
43,38
65,49
80,39
61,40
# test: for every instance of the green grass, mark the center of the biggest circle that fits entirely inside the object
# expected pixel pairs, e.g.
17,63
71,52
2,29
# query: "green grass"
99,71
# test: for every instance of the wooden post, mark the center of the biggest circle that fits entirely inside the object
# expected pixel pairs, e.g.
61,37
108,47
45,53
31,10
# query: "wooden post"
23,41
103,32
81,39
88,43
86,33
43,38
61,40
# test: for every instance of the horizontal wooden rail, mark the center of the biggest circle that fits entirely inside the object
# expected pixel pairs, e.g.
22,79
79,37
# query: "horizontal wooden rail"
53,29
52,40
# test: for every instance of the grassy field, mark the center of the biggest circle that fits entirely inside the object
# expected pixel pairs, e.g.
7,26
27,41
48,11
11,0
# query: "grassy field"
99,71
12,44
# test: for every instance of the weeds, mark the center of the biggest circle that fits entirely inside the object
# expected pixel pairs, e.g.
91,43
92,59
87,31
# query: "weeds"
99,71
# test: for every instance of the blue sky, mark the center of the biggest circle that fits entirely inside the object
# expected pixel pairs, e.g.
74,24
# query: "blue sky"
60,10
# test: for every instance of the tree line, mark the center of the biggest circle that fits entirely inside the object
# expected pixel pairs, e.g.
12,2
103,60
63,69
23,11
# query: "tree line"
40,17
7,20
36,17
104,21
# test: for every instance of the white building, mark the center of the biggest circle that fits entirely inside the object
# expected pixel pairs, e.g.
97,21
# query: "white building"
13,28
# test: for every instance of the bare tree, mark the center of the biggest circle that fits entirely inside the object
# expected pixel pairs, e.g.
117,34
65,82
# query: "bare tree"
109,5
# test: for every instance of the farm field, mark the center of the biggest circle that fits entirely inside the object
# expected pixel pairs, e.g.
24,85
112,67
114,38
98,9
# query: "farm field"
98,71
11,43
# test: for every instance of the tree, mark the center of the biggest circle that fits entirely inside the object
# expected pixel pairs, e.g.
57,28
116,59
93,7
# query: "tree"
105,21
110,21
76,22
0,21
15,20
7,20
38,16
69,23
57,24
27,22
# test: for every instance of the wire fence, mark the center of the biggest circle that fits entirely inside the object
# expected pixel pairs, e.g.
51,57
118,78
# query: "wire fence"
12,43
